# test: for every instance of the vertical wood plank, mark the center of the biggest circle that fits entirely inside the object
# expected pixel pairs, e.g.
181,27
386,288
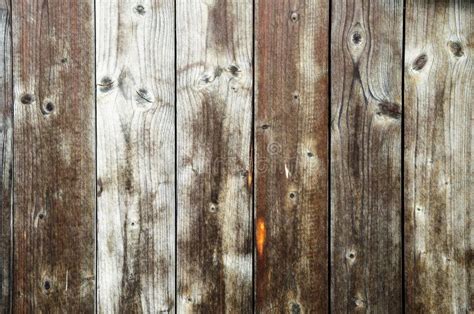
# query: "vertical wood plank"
54,175
438,157
6,156
291,156
135,150
366,72
214,122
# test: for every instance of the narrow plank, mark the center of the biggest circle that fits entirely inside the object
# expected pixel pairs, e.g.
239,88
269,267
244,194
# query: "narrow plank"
438,157
291,136
6,156
214,123
366,73
54,175
135,156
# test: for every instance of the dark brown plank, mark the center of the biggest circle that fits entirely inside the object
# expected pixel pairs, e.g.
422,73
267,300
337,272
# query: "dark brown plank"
214,122
291,137
135,156
54,175
6,156
439,214
366,72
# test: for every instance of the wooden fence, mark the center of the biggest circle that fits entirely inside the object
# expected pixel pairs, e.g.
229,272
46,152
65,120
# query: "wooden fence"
236,156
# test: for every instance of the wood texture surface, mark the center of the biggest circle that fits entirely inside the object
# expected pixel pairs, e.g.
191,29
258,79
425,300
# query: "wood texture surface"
6,156
214,121
291,140
135,156
438,156
54,156
366,86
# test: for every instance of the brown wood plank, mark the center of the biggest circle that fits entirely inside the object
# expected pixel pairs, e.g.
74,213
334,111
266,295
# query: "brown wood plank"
438,157
6,156
214,123
54,175
291,137
135,156
366,72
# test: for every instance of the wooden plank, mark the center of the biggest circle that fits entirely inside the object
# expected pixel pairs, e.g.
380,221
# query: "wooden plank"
135,156
366,75
439,238
214,123
6,156
291,156
54,175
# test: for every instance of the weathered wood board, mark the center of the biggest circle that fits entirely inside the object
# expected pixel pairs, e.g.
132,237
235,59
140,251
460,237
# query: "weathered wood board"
135,156
366,107
214,121
439,234
6,156
54,156
291,142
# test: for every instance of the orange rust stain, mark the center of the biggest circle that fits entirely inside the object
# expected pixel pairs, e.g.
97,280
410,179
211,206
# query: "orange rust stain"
249,181
261,235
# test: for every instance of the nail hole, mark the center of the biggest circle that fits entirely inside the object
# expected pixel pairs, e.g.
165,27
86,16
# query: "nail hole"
27,99
41,216
212,208
140,9
48,107
233,70
63,60
294,17
292,195
351,255
420,62
47,285
310,154
265,126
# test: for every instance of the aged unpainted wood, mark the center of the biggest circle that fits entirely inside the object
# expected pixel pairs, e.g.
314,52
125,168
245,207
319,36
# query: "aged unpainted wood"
135,156
6,156
291,134
54,156
214,123
439,238
366,107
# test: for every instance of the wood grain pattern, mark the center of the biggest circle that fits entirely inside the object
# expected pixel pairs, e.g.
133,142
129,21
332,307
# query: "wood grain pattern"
214,120
366,72
438,156
54,197
6,156
291,137
135,156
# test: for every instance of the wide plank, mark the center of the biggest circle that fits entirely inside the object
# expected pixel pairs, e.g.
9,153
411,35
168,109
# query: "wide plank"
6,155
135,156
439,194
291,156
54,156
366,116
214,123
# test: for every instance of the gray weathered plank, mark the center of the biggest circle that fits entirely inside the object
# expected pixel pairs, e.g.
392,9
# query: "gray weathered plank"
366,72
135,156
439,142
291,137
214,120
54,174
6,156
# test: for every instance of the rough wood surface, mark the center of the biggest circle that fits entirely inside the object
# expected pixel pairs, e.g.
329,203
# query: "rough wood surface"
6,156
135,156
291,136
54,158
438,156
366,72
214,122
